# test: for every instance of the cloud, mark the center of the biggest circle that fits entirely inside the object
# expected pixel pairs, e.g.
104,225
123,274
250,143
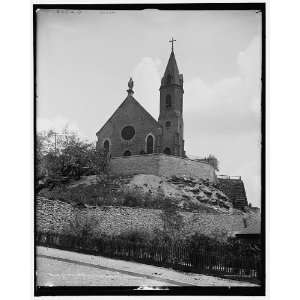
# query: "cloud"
249,60
223,118
146,77
231,104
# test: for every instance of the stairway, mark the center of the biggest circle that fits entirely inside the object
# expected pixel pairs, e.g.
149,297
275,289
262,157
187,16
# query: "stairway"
235,190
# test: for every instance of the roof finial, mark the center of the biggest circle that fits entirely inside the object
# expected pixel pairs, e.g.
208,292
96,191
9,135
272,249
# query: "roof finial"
130,86
172,41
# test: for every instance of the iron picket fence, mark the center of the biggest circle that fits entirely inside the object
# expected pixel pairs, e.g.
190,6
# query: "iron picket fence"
217,262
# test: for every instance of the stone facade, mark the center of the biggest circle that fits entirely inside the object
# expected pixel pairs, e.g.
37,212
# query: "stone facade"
130,113
162,165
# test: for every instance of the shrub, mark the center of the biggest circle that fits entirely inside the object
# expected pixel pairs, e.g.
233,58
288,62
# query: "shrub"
136,236
202,242
82,225
244,248
219,234
132,199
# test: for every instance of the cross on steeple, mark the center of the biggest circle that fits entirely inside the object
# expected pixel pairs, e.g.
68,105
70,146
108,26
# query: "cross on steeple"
172,41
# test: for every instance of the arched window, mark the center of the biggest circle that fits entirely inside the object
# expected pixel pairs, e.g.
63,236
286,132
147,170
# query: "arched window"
127,153
106,146
167,151
168,101
150,144
168,124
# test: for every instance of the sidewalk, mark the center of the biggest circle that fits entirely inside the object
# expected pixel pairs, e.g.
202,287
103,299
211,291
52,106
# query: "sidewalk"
168,276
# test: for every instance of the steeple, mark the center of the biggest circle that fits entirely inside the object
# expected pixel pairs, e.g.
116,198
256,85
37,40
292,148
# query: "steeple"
171,104
171,75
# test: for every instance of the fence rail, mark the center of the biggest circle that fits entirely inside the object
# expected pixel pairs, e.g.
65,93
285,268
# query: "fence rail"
229,177
177,257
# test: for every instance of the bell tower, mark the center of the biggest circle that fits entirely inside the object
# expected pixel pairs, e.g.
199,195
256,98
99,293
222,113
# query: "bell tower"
171,102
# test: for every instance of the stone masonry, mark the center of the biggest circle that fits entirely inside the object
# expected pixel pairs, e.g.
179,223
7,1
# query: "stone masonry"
162,165
55,215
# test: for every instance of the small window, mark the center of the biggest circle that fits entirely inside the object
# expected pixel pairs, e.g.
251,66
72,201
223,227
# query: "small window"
106,146
168,101
142,152
127,153
168,124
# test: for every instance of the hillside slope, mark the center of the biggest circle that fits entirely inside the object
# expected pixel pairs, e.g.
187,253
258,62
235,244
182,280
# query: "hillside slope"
186,193
148,191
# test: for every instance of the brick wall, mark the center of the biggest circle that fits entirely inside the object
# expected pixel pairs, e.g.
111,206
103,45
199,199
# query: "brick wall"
162,165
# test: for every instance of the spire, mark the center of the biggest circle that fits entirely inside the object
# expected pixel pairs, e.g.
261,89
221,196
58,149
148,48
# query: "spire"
171,75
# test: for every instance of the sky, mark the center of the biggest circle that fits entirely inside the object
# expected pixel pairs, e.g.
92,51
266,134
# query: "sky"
85,59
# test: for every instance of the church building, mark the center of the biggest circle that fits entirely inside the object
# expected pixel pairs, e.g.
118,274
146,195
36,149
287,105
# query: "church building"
131,130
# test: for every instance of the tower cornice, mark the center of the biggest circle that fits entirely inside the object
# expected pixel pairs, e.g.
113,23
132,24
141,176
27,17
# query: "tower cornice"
171,86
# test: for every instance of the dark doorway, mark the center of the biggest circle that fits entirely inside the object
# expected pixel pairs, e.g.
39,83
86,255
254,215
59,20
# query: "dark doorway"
127,153
167,151
150,143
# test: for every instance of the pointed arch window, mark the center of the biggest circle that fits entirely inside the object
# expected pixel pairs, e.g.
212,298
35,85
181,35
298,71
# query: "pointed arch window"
168,101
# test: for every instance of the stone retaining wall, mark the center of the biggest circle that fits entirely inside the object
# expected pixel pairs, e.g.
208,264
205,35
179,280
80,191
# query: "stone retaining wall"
172,165
55,215
162,165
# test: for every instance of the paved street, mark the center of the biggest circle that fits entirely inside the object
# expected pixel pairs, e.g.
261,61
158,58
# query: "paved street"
53,272
65,268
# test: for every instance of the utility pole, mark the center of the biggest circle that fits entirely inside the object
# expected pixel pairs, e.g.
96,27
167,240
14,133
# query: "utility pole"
55,139
55,142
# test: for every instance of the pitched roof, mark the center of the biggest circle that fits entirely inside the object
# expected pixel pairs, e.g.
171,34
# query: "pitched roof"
128,99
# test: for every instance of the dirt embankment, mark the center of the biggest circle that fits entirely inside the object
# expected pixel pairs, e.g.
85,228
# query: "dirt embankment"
186,193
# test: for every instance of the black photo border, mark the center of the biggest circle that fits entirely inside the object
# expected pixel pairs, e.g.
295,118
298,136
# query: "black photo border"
212,291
